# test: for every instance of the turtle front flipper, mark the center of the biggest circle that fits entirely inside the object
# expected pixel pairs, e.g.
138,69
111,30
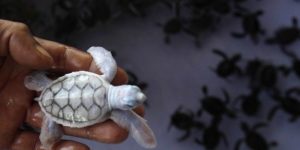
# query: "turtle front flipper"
104,61
136,126
36,81
51,132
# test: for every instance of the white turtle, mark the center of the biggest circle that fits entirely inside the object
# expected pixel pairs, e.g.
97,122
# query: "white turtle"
82,98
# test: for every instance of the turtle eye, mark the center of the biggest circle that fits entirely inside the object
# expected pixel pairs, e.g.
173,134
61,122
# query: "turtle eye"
134,100
130,105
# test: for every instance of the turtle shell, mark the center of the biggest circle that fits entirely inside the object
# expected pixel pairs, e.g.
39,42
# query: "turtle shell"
76,99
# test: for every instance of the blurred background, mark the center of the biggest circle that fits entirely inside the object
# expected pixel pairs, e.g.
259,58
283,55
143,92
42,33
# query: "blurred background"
218,74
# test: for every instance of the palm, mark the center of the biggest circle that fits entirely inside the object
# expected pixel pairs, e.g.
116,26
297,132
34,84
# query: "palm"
15,98
20,53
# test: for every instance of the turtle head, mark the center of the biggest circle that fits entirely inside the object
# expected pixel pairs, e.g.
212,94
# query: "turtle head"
125,97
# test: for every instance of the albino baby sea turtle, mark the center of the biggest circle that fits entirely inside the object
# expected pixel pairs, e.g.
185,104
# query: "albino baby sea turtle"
82,98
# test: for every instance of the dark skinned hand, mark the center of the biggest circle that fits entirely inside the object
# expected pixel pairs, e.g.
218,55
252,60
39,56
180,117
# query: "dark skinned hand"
20,53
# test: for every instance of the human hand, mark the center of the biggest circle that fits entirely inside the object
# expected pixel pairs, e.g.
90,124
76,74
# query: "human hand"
20,53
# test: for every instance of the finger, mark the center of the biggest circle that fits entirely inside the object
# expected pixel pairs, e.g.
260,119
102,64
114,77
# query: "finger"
16,40
26,140
108,131
69,59
120,78
69,145
66,58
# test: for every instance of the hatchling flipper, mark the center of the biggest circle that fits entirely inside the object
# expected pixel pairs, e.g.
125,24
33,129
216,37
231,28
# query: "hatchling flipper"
37,81
51,132
137,127
104,61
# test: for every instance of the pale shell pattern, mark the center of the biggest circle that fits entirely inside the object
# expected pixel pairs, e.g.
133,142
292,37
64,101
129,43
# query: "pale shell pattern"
76,100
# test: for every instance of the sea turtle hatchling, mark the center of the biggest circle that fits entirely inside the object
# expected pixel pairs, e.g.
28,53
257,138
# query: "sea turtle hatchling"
82,98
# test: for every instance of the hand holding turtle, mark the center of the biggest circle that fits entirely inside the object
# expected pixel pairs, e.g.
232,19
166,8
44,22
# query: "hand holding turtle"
20,53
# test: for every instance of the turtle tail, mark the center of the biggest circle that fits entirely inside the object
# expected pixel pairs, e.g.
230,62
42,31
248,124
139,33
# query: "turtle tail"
137,127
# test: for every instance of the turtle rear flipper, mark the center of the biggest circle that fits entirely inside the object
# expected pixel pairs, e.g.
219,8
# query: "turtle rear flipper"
51,132
104,61
137,127
36,81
